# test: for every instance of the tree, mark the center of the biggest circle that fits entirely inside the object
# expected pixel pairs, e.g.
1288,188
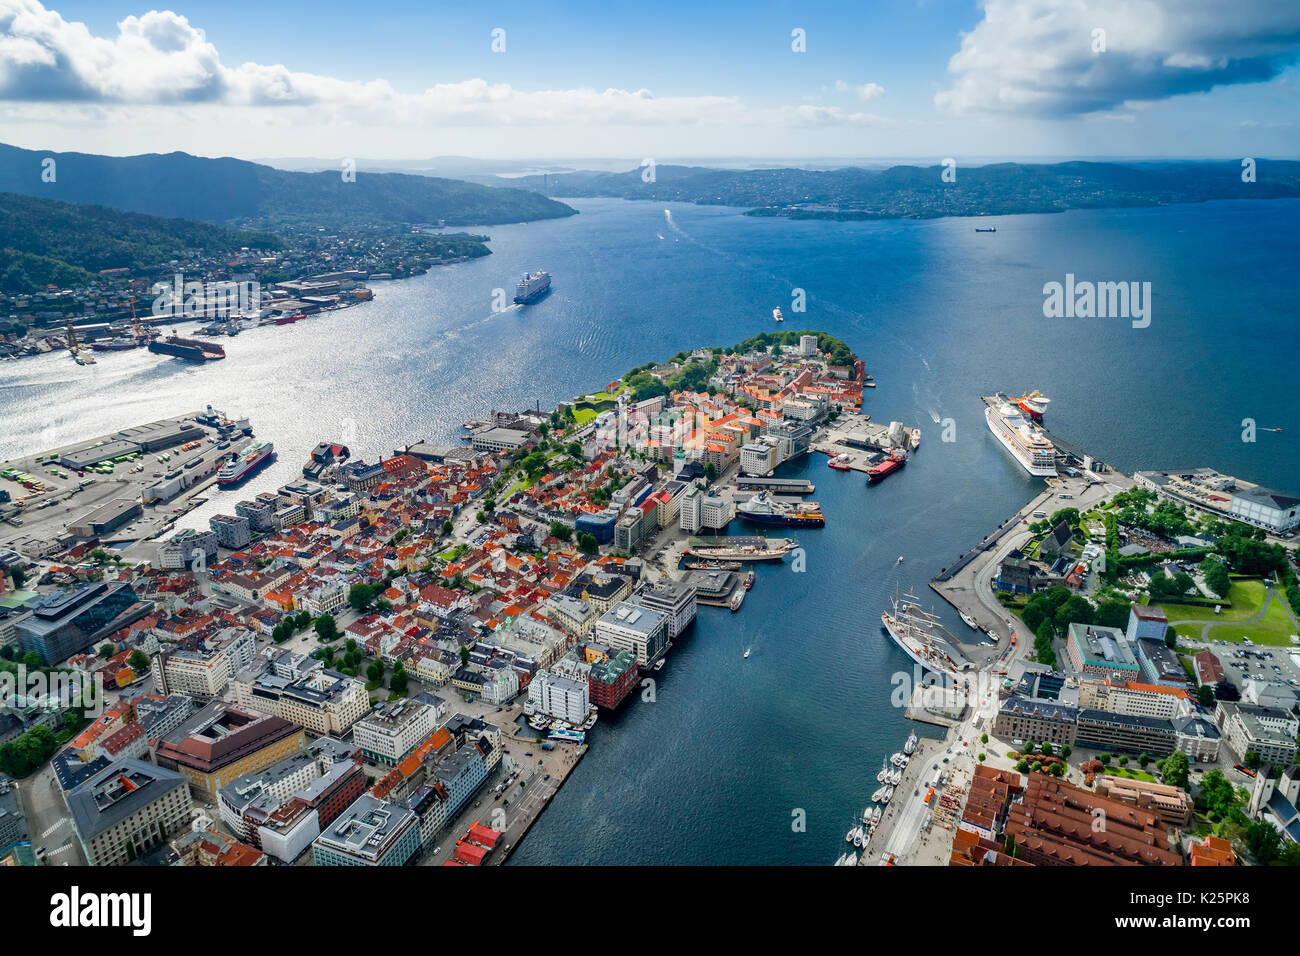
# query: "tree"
1066,751
139,661
19,575
326,629
710,471
464,655
1252,760
1075,610
1111,613
1216,575
574,449
1143,760
1046,749
397,683
1105,760
1123,761
106,650
447,527
1263,841
1174,770
984,738
32,660
361,595
1205,695
561,531
587,543
375,670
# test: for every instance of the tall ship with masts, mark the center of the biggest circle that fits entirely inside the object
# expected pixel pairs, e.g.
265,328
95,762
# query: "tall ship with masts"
922,637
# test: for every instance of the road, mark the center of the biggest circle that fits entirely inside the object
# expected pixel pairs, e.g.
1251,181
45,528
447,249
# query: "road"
48,820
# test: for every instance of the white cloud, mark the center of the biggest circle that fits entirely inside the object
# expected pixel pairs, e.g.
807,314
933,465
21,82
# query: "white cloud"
1037,56
159,59
866,91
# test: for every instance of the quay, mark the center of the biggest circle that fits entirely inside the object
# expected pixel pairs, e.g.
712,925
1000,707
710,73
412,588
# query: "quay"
121,488
863,441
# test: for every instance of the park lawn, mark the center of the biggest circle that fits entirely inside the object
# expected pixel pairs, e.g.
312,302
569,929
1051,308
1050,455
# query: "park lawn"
1246,596
584,415
1115,771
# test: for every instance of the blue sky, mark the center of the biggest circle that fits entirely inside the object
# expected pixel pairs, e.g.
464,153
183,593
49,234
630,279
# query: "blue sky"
901,79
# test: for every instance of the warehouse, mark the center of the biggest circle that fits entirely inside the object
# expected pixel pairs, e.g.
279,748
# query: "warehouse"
107,518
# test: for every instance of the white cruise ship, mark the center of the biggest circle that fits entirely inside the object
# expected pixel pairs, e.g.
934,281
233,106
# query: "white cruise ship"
1027,443
532,287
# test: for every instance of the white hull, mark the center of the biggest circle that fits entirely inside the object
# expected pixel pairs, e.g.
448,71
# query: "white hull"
1002,433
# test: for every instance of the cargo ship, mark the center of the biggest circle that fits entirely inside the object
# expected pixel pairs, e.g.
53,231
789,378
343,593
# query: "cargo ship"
764,509
243,465
880,472
532,287
1026,442
192,350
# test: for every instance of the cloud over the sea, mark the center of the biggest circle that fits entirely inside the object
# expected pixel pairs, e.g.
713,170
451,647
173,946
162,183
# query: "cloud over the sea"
1040,57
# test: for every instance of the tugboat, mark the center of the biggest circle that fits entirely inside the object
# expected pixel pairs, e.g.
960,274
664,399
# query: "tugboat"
841,462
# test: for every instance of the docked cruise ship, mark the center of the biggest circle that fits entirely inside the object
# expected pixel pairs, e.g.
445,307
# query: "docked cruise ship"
242,465
532,287
1022,438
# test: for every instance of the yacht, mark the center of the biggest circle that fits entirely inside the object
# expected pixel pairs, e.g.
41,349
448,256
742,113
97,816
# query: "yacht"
747,650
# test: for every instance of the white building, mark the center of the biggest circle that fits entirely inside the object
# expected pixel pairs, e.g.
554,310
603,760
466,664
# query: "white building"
561,697
393,730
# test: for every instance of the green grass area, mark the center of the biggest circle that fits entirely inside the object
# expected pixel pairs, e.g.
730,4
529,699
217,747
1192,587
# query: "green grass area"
584,415
1132,773
1245,597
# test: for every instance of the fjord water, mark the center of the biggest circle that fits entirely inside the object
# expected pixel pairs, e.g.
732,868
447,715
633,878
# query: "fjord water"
715,768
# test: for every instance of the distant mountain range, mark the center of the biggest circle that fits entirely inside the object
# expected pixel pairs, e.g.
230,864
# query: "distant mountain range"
237,192
48,242
920,192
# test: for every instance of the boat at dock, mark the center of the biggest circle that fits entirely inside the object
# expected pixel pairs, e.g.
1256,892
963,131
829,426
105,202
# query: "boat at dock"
922,637
879,795
741,548
749,581
191,350
1033,404
970,622
763,508
841,462
115,344
910,747
884,469
1026,442
737,599
713,565
245,463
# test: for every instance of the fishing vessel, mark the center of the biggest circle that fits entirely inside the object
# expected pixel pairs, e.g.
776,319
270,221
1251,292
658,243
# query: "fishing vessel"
895,461
1018,435
191,350
920,635
242,465
777,316
763,508
749,581
532,287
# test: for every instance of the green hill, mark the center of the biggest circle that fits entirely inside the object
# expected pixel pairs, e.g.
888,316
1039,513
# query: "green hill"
44,241
233,191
